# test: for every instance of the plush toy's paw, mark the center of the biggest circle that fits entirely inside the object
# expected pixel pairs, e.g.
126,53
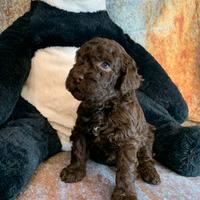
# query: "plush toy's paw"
179,149
149,173
119,194
72,175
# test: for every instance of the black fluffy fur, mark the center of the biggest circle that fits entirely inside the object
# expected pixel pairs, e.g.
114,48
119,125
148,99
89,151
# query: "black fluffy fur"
44,26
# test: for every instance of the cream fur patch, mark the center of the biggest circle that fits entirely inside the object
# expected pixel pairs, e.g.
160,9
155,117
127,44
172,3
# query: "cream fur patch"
78,5
45,89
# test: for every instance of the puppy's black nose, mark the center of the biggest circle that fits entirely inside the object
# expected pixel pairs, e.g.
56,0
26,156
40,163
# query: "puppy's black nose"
78,78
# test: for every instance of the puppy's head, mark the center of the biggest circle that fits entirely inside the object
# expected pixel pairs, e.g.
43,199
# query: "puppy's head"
103,70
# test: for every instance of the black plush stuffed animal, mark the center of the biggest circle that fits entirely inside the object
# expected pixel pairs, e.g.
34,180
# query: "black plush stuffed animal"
27,138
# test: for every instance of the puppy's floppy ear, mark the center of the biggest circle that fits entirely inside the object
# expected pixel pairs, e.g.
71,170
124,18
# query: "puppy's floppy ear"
130,79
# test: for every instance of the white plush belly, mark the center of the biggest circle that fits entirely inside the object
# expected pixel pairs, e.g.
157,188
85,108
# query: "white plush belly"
45,89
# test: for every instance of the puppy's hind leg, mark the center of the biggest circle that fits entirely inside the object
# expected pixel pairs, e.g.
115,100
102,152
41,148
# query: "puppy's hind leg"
146,167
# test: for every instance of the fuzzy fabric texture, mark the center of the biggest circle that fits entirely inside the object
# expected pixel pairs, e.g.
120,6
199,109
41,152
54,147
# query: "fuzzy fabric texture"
26,139
160,99
100,181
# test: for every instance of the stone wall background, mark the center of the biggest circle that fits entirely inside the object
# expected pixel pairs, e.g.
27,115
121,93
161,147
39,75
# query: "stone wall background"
10,10
170,30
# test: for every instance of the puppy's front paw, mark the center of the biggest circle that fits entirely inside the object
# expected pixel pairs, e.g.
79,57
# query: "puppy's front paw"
72,175
120,195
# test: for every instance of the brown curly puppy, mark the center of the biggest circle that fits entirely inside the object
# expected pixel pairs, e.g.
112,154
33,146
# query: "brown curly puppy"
110,123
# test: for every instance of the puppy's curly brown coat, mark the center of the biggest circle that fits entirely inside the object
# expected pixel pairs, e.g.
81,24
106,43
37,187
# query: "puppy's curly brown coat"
110,125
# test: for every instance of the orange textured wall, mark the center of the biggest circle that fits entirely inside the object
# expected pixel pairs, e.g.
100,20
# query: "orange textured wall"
170,30
173,38
10,10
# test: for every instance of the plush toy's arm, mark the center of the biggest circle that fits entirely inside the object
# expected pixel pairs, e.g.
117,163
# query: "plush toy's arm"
157,84
15,58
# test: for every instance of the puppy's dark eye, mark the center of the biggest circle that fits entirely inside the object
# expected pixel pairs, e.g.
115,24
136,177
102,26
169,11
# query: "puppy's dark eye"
105,65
